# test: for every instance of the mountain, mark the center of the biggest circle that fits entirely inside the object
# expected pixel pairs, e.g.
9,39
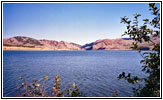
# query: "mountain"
27,43
109,44
75,44
117,44
21,41
62,45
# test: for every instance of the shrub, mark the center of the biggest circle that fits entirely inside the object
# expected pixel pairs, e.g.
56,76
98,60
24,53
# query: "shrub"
151,60
36,89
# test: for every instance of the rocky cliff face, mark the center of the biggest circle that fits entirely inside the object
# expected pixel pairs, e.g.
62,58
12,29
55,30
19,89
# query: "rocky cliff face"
104,44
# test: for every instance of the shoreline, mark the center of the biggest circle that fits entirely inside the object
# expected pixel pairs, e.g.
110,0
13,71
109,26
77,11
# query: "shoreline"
47,49
73,50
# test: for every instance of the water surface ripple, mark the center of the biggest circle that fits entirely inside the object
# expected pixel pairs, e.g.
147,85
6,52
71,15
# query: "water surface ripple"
94,72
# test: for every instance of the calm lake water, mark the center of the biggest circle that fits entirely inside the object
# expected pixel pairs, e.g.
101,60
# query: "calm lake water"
94,72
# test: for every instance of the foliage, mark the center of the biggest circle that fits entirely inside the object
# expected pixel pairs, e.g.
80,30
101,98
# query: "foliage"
115,93
151,60
36,89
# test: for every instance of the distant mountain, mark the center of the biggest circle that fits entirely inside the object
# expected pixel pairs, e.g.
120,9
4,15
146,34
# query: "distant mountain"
109,44
75,44
21,41
52,44
27,43
31,43
117,44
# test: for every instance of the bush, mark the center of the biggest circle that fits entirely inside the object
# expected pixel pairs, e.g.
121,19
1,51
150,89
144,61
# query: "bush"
151,60
36,89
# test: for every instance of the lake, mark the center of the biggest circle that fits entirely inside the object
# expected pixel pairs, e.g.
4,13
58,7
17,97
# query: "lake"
94,72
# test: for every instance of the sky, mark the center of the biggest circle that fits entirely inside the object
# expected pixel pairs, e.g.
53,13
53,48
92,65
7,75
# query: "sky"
80,23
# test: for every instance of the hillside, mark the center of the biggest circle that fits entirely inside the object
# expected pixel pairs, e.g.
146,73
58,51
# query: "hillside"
109,44
27,43
117,44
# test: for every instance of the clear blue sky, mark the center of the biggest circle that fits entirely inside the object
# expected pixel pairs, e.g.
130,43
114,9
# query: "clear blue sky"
73,22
